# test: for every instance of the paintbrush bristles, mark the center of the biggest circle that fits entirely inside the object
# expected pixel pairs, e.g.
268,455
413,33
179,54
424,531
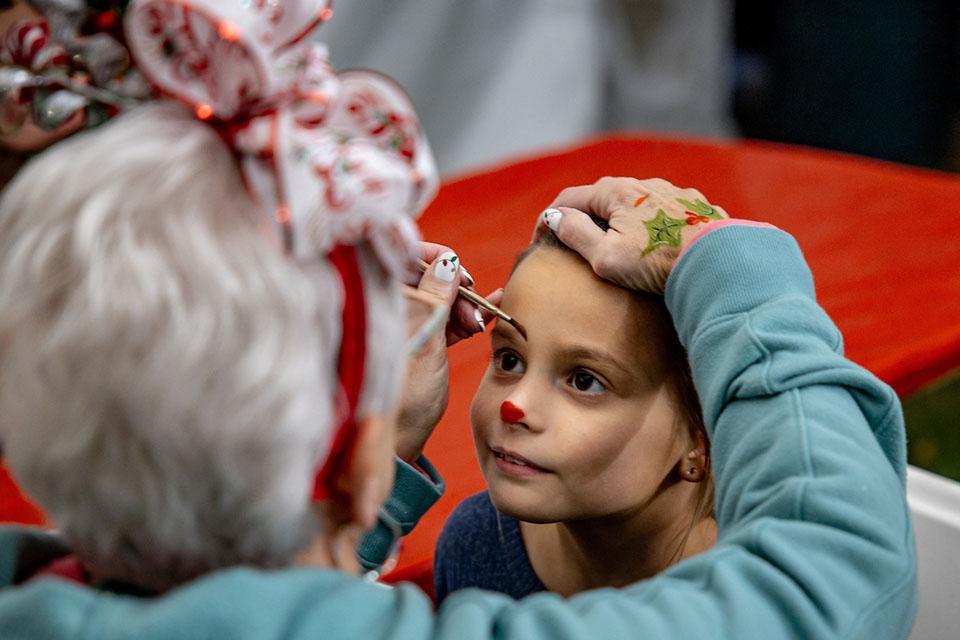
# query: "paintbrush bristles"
480,301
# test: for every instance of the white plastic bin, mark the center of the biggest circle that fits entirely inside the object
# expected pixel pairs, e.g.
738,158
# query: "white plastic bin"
935,505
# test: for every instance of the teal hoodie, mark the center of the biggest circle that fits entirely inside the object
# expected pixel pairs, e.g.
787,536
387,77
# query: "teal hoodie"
814,534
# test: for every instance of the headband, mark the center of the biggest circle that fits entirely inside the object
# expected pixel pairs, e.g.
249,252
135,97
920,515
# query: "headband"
332,160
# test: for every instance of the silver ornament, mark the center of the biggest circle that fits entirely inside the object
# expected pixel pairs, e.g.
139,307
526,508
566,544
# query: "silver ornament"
53,111
101,55
14,79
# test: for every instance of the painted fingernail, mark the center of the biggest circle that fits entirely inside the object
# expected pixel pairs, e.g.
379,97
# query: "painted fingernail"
466,274
479,317
447,266
551,218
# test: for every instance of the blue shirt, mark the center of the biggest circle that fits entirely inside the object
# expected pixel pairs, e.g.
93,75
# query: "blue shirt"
480,547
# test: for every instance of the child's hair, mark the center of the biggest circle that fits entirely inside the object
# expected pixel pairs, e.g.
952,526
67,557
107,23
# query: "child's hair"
682,386
166,374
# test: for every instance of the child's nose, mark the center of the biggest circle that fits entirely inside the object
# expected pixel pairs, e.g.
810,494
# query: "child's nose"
511,413
523,405
519,412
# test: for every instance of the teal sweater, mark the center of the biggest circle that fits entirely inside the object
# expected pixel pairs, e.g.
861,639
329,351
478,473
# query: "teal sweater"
814,533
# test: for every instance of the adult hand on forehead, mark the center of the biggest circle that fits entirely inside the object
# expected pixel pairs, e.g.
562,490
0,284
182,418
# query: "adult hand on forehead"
651,222
425,393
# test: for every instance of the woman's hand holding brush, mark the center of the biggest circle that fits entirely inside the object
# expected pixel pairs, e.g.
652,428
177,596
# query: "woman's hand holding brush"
435,300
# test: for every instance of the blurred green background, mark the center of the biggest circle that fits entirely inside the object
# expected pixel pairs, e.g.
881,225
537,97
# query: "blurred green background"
933,426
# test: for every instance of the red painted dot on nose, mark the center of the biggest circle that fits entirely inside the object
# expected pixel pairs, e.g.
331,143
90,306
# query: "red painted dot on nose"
511,412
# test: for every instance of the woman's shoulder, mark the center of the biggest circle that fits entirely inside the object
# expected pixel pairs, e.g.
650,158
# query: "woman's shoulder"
480,547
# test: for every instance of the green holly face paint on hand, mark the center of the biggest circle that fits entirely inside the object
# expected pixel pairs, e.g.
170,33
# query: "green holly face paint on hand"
664,231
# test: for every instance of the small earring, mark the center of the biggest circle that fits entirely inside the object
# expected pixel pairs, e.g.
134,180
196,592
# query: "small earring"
692,471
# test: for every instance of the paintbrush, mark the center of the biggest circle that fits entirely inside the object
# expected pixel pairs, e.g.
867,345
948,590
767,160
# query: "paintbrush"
475,298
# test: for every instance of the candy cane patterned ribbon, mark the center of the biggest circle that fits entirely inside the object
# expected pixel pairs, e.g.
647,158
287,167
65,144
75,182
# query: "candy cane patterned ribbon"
28,44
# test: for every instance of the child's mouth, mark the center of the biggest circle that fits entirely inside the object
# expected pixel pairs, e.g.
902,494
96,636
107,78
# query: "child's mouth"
513,464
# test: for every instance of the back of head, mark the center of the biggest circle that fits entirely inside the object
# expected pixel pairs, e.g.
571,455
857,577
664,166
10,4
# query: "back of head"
166,374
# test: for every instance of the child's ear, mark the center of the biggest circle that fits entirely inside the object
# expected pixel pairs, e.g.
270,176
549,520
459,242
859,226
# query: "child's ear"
693,466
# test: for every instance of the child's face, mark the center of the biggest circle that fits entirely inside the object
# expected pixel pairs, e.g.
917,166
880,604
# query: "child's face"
599,423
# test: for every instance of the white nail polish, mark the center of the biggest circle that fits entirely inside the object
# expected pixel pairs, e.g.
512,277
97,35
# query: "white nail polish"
551,218
447,266
466,274
479,317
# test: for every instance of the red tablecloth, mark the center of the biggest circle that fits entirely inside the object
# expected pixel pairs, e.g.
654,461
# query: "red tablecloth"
883,242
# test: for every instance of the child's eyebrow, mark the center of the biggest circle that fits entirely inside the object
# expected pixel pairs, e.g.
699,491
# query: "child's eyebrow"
500,330
579,352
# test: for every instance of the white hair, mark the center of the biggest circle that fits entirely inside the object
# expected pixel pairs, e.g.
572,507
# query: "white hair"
166,375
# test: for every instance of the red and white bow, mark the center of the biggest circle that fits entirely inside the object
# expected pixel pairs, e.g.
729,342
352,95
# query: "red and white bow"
335,158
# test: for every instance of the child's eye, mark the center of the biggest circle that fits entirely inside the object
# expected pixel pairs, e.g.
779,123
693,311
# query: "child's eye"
507,360
586,382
